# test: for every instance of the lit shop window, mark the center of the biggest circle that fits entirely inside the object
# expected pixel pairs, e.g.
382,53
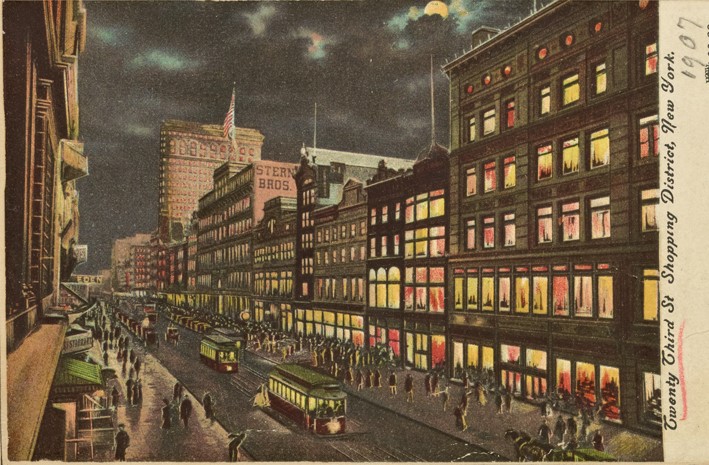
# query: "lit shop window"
488,293
544,100
471,182
537,359
651,295
600,79
521,294
471,288
504,289
649,199
545,232
540,289
509,170
509,230
544,162
649,135
489,122
563,377
489,232
586,382
510,113
470,234
490,177
560,291
570,156
459,301
583,296
600,149
570,89
600,218
605,296
472,129
651,59
610,393
652,405
570,218
509,354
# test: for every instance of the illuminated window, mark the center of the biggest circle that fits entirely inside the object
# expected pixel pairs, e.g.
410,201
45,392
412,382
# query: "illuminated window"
505,294
570,89
489,122
600,149
490,177
422,206
542,53
570,219
383,246
651,59
397,211
409,212
544,162
600,81
544,100
471,298
649,199
605,296
372,247
470,234
471,182
583,296
610,393
472,129
438,204
509,230
651,295
522,294
373,216
458,282
396,244
488,293
600,218
540,289
545,231
421,246
560,291
570,156
489,232
649,137
385,214
509,172
510,113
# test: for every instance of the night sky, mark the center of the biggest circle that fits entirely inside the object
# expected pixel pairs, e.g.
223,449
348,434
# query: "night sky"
365,63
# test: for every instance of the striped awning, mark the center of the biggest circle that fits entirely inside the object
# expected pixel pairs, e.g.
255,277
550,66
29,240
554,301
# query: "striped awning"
76,377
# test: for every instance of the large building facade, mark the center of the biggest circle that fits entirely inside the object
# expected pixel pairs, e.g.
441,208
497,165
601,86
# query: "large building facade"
553,187
132,257
189,154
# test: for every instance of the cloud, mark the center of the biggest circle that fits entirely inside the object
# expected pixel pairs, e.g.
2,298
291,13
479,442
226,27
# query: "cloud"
399,22
139,130
109,35
260,18
162,59
462,12
318,42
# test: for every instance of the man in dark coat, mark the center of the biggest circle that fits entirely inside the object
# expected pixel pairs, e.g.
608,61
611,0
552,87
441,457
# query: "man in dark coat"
137,366
185,410
177,391
392,383
207,404
409,388
571,427
166,415
498,401
544,433
427,384
122,442
559,429
598,441
114,397
129,390
235,442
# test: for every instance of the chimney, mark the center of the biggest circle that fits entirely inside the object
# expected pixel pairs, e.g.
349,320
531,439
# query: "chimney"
482,35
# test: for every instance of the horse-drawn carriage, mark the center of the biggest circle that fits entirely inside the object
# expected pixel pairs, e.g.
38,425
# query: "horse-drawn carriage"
172,335
530,449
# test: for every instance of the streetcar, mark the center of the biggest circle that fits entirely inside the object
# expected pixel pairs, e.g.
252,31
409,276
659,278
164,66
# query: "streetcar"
219,353
314,400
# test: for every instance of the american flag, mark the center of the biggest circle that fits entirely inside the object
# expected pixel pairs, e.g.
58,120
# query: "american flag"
229,119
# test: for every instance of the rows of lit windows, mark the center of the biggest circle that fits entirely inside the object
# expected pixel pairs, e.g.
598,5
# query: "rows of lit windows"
424,289
273,283
342,232
491,175
240,279
347,289
539,290
281,251
344,254
425,205
385,246
425,242
569,221
382,214
385,288
235,253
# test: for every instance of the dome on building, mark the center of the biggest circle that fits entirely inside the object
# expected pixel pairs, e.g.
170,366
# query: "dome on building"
435,150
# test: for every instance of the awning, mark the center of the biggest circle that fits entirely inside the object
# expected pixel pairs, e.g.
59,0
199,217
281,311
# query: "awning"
30,371
76,377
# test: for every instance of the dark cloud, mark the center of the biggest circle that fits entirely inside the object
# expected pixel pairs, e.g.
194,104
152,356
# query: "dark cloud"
365,63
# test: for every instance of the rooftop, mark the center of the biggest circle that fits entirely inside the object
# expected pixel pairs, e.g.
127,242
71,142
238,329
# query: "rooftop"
327,156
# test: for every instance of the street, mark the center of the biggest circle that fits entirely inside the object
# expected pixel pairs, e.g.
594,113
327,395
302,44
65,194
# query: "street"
375,434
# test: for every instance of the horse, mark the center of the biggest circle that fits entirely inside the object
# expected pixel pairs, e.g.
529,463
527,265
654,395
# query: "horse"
519,439
526,448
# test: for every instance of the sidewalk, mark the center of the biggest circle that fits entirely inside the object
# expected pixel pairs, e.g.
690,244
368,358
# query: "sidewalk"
203,440
486,428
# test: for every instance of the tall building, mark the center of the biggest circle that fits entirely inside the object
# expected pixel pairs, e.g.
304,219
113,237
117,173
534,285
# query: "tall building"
553,237
189,154
127,256
42,41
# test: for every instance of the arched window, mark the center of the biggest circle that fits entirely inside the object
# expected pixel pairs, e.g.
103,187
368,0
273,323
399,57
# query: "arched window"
394,288
381,288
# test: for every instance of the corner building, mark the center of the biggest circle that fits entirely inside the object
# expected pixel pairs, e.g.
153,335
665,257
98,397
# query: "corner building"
553,191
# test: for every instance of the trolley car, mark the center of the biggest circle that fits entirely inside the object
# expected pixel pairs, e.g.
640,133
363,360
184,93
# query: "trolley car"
313,400
236,336
219,353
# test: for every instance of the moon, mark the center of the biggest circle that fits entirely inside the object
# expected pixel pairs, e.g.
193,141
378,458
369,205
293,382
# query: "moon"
436,7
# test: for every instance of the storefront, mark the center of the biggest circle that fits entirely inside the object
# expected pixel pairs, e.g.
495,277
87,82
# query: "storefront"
473,356
594,384
523,371
425,346
331,324
386,332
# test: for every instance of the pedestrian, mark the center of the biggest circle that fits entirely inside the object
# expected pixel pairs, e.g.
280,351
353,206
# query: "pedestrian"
445,395
544,432
377,378
185,410
559,429
177,392
571,427
114,397
460,415
598,441
359,379
122,441
434,383
132,356
349,375
235,442
464,401
392,383
508,401
125,360
129,391
368,378
498,402
409,388
105,358
482,398
135,393
207,404
427,384
139,384
543,409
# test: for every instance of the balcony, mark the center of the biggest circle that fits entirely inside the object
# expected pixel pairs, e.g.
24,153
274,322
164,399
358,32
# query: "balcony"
74,163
